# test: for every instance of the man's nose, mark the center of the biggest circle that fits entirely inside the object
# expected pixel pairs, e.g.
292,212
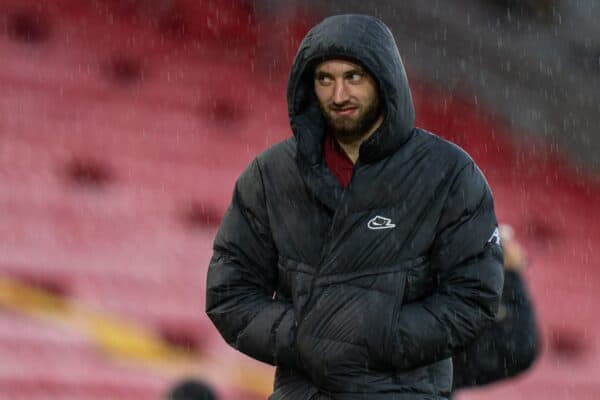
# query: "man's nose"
340,93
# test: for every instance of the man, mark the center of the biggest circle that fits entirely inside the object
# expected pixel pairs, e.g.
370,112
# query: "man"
361,254
511,345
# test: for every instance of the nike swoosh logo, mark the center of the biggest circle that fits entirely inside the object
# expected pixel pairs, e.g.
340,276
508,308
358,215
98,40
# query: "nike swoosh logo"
379,222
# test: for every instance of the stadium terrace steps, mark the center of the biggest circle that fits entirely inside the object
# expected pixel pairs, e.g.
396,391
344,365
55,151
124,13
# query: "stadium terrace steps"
119,148
39,357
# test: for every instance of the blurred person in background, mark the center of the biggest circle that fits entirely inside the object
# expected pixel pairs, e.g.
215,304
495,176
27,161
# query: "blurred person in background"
190,389
510,346
361,254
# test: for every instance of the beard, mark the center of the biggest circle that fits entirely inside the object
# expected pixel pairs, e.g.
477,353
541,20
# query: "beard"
348,129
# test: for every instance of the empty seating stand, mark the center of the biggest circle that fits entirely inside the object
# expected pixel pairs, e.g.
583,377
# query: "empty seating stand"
123,126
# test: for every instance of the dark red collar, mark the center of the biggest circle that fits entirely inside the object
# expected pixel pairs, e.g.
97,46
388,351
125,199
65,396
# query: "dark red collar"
338,161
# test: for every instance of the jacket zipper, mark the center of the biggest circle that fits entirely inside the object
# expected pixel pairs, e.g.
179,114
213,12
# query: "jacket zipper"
311,298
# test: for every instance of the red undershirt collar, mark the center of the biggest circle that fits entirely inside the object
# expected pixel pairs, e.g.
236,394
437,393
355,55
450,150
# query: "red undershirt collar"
338,161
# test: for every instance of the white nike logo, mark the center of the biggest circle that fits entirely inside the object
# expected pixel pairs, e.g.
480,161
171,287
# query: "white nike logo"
379,222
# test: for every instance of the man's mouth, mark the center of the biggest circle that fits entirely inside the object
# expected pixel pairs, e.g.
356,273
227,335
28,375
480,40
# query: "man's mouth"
344,110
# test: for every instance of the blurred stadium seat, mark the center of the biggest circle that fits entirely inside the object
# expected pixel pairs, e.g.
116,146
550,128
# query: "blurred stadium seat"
123,126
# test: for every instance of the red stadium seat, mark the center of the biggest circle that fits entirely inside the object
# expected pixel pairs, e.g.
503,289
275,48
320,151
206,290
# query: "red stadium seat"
120,141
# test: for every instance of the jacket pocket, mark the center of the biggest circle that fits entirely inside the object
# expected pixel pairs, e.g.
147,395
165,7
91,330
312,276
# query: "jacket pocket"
420,281
293,282
391,291
385,305
352,312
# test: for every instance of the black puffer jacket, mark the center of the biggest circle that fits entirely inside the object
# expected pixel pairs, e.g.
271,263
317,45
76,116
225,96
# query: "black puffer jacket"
362,293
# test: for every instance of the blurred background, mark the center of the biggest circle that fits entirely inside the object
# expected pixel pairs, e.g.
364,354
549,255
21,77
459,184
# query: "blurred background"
124,124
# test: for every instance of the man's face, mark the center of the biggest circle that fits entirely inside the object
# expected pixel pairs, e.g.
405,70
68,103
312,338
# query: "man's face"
348,97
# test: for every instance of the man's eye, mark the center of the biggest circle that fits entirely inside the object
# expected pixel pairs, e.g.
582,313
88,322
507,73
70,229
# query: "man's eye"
356,77
324,79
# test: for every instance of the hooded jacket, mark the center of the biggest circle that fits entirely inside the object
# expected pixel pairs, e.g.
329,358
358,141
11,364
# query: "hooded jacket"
363,292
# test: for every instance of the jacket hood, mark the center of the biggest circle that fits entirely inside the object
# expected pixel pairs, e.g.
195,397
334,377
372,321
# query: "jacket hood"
367,41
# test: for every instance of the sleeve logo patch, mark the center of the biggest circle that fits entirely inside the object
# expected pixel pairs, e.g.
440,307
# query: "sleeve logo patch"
495,238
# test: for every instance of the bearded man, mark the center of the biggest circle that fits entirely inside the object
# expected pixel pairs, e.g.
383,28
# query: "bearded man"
360,254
